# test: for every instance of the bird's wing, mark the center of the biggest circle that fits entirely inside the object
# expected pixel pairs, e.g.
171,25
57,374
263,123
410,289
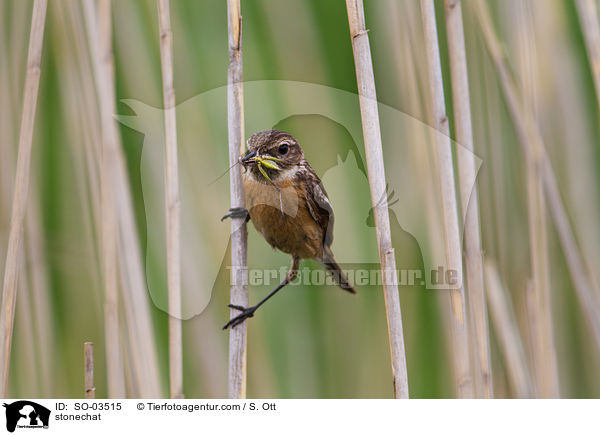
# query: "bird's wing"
318,204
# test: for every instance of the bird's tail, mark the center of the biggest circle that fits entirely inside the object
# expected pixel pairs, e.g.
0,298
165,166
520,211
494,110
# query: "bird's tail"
336,272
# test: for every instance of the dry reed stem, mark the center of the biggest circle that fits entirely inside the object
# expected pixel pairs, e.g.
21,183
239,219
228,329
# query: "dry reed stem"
143,352
26,359
21,190
207,354
460,345
376,173
507,330
239,236
99,26
73,100
33,312
469,198
88,364
544,355
142,349
41,301
528,133
87,164
539,300
172,203
588,16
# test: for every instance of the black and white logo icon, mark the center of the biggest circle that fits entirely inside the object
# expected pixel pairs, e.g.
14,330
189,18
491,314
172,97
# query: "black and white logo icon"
26,414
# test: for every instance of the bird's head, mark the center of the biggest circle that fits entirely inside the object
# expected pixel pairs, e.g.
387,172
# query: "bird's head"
272,155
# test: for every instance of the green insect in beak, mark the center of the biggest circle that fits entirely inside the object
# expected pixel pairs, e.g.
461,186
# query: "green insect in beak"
266,161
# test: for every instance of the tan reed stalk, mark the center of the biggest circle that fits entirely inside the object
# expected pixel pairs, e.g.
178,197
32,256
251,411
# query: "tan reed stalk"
239,237
588,16
143,353
40,291
172,203
544,353
460,345
85,127
9,293
469,199
100,35
16,43
376,173
88,365
539,300
207,354
26,358
142,349
529,133
7,126
33,308
507,330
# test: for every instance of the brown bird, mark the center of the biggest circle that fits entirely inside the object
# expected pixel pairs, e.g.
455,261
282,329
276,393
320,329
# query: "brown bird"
288,205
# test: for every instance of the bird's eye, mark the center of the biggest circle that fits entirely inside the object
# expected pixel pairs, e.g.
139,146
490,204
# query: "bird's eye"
283,149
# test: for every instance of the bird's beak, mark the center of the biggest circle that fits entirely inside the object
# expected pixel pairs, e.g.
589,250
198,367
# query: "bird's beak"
248,158
266,161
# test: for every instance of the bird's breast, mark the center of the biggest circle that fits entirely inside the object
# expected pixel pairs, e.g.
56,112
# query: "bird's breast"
280,214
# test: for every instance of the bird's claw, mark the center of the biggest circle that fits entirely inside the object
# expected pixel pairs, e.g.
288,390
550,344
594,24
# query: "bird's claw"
245,314
237,307
236,212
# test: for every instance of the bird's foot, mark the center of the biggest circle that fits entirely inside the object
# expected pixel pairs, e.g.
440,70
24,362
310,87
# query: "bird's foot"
236,212
245,314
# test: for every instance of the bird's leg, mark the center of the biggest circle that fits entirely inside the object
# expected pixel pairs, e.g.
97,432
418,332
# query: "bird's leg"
237,212
249,311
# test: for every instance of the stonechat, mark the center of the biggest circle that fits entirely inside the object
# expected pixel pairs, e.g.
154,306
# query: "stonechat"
288,205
